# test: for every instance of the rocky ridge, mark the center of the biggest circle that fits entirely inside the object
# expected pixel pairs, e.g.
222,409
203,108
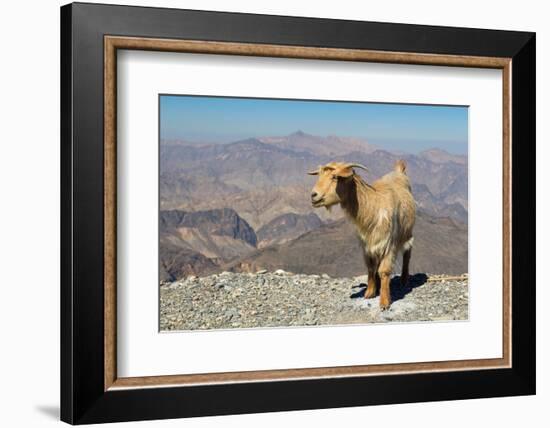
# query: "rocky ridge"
279,299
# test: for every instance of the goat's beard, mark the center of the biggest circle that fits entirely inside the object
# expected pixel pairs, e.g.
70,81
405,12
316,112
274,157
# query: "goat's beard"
329,208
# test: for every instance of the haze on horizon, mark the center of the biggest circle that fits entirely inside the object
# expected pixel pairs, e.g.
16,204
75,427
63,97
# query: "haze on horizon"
410,128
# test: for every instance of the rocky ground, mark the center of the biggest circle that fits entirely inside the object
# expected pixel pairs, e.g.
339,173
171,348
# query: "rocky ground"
276,299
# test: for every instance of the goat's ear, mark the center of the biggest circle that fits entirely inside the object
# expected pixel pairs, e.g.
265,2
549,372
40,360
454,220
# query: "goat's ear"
344,172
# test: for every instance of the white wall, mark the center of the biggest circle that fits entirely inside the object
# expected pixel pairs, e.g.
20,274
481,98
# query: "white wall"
29,230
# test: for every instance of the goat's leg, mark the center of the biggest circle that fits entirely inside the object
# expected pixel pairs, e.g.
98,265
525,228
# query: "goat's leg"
384,271
405,270
370,292
371,286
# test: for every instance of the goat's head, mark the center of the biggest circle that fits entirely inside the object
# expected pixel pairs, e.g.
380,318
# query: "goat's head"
331,183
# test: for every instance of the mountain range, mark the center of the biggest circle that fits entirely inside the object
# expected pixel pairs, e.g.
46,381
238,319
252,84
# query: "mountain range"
245,205
220,240
264,179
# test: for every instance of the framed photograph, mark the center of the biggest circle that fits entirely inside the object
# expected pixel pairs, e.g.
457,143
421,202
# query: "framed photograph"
266,213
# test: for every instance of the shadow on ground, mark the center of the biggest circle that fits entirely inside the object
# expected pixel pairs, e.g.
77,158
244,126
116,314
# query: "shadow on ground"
397,290
50,411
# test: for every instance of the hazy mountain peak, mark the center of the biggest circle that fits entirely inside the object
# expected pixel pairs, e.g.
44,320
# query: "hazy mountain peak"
251,141
332,145
436,151
438,155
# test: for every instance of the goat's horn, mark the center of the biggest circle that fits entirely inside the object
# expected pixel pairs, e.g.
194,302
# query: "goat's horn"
357,165
315,171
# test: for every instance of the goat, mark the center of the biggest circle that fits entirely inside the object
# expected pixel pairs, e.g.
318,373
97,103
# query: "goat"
383,213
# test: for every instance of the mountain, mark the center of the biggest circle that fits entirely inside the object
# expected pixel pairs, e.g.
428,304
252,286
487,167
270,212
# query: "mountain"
441,156
181,142
440,246
244,165
260,181
265,178
316,145
287,227
195,242
440,206
222,222
177,262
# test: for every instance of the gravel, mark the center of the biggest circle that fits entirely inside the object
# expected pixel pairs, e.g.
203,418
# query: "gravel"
277,299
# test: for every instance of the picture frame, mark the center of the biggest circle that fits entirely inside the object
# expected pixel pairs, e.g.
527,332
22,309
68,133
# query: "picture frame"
91,35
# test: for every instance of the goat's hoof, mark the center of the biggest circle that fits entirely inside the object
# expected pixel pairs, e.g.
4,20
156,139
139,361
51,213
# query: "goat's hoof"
370,294
384,305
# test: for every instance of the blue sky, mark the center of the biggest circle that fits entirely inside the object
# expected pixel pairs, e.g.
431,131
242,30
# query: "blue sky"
408,127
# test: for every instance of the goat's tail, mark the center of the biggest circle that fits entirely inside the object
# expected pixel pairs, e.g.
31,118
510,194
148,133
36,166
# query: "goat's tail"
400,166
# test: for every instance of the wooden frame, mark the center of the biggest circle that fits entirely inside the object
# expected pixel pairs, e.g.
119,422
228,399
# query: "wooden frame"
112,43
513,53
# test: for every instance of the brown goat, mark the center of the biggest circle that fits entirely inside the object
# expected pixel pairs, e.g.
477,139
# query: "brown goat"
383,213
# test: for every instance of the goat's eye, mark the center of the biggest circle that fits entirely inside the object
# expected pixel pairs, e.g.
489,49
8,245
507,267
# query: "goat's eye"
334,177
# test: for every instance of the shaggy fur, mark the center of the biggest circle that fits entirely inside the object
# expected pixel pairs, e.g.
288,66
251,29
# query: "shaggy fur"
383,213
